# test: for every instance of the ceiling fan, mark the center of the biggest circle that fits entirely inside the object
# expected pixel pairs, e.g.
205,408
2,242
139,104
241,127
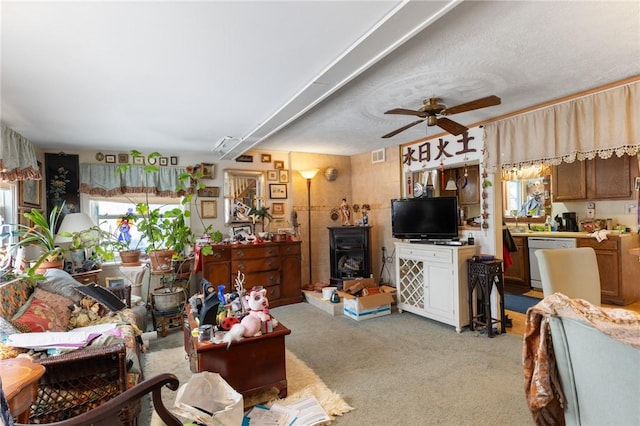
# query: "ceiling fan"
434,113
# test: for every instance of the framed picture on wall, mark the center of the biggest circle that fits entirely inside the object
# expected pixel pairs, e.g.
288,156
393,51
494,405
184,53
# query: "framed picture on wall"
277,209
284,176
278,164
30,192
62,180
209,209
277,191
208,170
272,175
265,158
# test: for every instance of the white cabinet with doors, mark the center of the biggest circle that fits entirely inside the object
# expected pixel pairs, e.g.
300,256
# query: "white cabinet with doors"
432,281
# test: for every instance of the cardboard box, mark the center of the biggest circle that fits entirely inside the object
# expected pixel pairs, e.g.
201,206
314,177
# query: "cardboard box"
353,286
365,307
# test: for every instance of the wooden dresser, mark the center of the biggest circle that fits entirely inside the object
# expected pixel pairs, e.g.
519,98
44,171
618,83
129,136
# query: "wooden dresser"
276,266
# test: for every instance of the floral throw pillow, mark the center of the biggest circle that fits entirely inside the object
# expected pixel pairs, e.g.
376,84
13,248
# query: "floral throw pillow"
39,317
59,304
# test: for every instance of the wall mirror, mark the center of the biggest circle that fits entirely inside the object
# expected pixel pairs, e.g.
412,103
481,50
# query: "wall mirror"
526,193
243,189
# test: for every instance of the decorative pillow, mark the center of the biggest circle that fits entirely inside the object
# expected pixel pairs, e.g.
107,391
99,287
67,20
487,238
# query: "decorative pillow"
60,282
59,304
39,317
6,328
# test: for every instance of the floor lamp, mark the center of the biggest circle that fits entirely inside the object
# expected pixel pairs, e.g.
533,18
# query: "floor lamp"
308,175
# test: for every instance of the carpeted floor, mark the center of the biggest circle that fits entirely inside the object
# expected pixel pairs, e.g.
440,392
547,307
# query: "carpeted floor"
167,354
519,302
403,369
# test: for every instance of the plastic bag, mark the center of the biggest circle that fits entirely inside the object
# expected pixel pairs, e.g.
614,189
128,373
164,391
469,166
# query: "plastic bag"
207,398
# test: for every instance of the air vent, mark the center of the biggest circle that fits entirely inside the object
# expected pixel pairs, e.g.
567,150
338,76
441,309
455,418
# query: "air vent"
377,156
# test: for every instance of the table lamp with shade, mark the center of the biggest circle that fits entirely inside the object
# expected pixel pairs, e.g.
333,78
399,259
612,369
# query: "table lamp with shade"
76,228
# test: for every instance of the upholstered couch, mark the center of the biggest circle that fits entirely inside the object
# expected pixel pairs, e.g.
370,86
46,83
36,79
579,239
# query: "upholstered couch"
78,380
600,376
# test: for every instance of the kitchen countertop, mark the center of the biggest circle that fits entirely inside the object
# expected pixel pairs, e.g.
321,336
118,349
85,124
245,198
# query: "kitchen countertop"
564,234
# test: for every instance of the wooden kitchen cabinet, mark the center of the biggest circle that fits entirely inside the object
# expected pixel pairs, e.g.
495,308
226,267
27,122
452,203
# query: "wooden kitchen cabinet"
470,194
597,179
516,276
618,269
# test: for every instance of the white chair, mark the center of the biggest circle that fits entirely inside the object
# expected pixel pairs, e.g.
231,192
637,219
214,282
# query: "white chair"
571,271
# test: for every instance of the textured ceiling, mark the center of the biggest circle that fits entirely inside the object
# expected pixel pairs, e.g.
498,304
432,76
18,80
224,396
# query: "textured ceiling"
292,76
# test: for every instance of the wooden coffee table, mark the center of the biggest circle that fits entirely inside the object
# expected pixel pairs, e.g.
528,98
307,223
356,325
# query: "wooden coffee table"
20,384
252,365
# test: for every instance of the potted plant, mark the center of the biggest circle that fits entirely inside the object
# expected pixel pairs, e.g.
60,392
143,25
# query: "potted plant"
43,234
261,213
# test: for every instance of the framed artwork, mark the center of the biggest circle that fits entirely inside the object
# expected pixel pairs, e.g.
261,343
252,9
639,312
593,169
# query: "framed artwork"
62,181
278,164
123,158
208,170
173,160
637,184
30,192
265,158
277,191
277,209
272,175
244,158
209,191
113,282
209,209
284,176
242,230
138,161
109,158
164,161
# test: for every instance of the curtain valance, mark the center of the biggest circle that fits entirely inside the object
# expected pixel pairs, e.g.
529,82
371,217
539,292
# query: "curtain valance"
17,157
102,179
600,124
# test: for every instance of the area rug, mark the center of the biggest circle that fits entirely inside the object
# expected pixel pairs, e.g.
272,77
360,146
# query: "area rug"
519,302
302,382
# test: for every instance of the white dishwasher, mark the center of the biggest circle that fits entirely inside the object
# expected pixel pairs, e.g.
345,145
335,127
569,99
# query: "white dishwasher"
537,243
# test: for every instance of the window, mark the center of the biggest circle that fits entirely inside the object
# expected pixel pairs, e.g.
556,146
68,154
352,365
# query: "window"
107,211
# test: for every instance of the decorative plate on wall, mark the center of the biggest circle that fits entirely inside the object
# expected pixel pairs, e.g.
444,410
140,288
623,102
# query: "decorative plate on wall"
99,156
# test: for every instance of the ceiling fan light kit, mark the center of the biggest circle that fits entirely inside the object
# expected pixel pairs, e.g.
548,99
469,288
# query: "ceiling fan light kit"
434,113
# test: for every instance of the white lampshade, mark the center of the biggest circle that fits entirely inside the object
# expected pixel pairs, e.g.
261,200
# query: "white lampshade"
73,222
451,185
309,174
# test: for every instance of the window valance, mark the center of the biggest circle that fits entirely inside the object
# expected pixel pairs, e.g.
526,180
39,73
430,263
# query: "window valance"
17,157
102,179
600,124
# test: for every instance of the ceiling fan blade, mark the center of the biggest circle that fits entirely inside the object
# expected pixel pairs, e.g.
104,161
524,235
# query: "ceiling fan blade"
402,129
477,104
451,126
406,112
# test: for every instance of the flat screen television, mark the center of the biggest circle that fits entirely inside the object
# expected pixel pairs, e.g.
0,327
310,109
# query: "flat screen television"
425,218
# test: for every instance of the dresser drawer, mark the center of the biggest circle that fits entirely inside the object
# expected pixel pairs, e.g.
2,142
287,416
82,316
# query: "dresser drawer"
255,265
289,249
219,254
262,278
253,252
87,277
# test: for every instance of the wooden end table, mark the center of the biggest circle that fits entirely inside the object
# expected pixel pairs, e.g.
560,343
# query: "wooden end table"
251,365
20,384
